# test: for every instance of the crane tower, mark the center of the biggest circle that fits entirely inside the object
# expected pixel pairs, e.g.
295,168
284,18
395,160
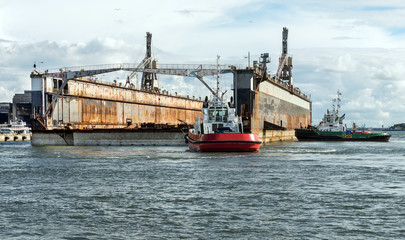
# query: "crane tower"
285,66
149,80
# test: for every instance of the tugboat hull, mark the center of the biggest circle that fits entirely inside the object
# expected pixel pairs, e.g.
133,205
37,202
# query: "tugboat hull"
223,142
316,135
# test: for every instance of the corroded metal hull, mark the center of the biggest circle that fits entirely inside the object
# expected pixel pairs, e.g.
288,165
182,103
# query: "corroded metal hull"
270,111
88,104
95,104
223,142
93,112
269,108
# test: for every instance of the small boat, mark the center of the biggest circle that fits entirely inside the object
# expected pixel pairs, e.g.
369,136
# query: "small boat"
331,128
15,127
19,127
220,129
15,131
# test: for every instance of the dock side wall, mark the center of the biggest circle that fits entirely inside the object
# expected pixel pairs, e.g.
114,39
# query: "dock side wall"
279,107
268,101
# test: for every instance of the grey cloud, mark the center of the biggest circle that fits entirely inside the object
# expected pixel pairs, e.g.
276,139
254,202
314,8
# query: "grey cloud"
93,47
189,12
370,80
17,60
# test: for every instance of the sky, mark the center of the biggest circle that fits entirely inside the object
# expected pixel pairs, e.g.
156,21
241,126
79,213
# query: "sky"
356,47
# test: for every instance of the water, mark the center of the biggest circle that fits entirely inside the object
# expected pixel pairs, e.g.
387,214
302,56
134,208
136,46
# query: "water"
298,190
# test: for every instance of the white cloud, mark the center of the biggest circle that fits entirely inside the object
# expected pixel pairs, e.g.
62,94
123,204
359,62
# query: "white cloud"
372,87
7,93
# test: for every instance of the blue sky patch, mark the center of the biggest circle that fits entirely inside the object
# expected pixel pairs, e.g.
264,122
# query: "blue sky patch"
379,8
397,31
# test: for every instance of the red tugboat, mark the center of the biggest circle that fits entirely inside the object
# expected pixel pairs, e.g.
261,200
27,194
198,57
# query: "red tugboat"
220,129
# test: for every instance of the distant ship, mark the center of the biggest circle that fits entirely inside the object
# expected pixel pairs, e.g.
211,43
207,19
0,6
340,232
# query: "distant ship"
331,128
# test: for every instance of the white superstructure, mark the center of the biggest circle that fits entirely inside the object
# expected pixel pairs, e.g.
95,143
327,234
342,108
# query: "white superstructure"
332,120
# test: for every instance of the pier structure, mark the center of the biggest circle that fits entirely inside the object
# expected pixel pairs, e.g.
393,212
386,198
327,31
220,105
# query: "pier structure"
15,137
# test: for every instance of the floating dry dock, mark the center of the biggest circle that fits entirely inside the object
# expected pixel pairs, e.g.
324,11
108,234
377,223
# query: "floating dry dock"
72,108
101,113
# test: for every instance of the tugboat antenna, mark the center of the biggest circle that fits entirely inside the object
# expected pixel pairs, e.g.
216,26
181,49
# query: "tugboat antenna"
218,75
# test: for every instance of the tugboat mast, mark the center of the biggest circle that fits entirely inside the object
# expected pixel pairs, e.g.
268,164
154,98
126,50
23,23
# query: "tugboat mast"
336,108
218,76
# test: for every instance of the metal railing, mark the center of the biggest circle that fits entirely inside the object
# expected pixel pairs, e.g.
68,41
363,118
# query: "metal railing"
134,66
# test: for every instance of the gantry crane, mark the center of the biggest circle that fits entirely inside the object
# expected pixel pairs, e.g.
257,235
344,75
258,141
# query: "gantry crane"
284,71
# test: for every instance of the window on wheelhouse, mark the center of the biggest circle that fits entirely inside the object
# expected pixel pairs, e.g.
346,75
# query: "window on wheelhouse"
218,114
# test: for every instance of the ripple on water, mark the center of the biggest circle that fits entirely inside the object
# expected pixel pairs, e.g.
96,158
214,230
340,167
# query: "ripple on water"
286,191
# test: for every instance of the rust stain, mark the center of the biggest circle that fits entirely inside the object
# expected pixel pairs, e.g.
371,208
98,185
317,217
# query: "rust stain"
106,106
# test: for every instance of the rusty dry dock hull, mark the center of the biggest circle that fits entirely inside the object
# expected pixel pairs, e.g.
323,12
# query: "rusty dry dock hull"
101,113
268,108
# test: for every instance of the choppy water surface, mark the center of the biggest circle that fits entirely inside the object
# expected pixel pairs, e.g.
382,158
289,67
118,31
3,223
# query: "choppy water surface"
296,190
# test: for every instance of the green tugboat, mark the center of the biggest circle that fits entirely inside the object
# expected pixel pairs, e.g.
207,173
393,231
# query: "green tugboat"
331,128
